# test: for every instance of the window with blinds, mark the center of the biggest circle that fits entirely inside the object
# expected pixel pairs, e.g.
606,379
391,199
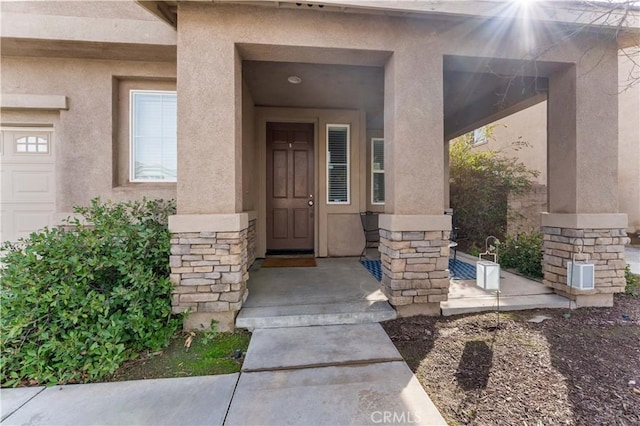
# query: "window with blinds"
338,164
153,136
377,171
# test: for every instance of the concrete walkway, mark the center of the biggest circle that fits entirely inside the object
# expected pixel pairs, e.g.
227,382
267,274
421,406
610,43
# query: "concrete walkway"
632,256
326,375
517,293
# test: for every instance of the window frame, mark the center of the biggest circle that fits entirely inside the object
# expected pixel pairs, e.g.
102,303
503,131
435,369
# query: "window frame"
382,172
132,93
348,164
37,144
480,136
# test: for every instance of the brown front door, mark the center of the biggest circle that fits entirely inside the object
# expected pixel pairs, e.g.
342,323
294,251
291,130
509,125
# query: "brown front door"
290,187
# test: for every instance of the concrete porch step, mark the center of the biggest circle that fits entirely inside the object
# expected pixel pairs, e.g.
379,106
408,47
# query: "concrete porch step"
310,347
468,305
318,314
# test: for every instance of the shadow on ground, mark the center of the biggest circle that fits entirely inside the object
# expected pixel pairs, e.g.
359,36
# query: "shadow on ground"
475,365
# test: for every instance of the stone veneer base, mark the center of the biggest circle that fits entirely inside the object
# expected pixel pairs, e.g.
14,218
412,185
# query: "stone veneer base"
225,321
603,300
602,247
428,309
415,274
209,274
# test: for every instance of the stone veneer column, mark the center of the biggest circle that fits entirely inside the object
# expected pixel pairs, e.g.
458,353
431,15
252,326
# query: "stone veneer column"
415,263
209,268
566,234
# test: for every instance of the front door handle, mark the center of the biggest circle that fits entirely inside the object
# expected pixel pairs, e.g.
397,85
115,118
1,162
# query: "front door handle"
310,203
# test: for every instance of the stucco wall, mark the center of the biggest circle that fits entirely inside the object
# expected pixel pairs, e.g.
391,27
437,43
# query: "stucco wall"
249,158
215,37
530,126
212,41
88,133
523,135
629,144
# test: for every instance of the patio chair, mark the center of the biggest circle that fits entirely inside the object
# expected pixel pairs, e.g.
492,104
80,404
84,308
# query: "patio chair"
371,231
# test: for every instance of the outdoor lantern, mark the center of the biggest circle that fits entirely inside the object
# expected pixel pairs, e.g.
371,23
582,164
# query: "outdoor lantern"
488,275
581,275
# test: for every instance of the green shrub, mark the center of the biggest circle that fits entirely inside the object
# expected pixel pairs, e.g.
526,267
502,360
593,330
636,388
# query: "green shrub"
522,252
632,287
77,302
480,183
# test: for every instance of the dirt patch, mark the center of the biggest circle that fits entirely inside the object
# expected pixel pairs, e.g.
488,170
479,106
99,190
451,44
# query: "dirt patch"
577,367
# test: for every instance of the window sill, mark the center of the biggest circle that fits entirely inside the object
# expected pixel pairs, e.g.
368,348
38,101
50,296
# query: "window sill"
134,186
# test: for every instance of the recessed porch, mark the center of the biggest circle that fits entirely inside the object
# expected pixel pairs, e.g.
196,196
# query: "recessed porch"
337,291
342,291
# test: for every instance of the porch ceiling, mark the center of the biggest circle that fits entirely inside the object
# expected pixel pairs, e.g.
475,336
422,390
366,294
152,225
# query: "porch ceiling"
479,91
323,86
473,96
472,100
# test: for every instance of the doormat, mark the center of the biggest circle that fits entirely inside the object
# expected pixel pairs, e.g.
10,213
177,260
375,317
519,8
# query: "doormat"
460,270
373,266
289,262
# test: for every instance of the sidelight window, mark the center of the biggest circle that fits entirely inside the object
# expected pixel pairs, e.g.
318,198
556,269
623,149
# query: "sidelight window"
338,191
377,171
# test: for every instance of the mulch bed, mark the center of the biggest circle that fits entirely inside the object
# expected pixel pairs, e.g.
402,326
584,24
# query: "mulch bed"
580,370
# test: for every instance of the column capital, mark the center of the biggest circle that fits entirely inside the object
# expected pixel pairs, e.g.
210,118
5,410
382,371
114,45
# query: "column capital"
584,220
414,222
208,222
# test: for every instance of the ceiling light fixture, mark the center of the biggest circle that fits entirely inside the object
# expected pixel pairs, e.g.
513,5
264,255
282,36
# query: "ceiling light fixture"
294,79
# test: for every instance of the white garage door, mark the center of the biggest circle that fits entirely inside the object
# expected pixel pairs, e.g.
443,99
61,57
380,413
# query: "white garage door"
27,185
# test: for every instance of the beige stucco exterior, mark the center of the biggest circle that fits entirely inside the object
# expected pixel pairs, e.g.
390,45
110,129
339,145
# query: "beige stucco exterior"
92,156
226,62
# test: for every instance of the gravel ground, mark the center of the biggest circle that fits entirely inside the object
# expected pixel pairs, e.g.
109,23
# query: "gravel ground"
576,367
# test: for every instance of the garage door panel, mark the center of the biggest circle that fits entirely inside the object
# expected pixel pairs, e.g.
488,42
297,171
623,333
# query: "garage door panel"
27,189
35,184
28,158
28,220
18,221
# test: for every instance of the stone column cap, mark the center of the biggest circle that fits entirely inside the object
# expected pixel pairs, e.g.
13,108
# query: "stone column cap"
584,220
414,222
232,222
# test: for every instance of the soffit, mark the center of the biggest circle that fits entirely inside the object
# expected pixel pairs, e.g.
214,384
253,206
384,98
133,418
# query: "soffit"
323,86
